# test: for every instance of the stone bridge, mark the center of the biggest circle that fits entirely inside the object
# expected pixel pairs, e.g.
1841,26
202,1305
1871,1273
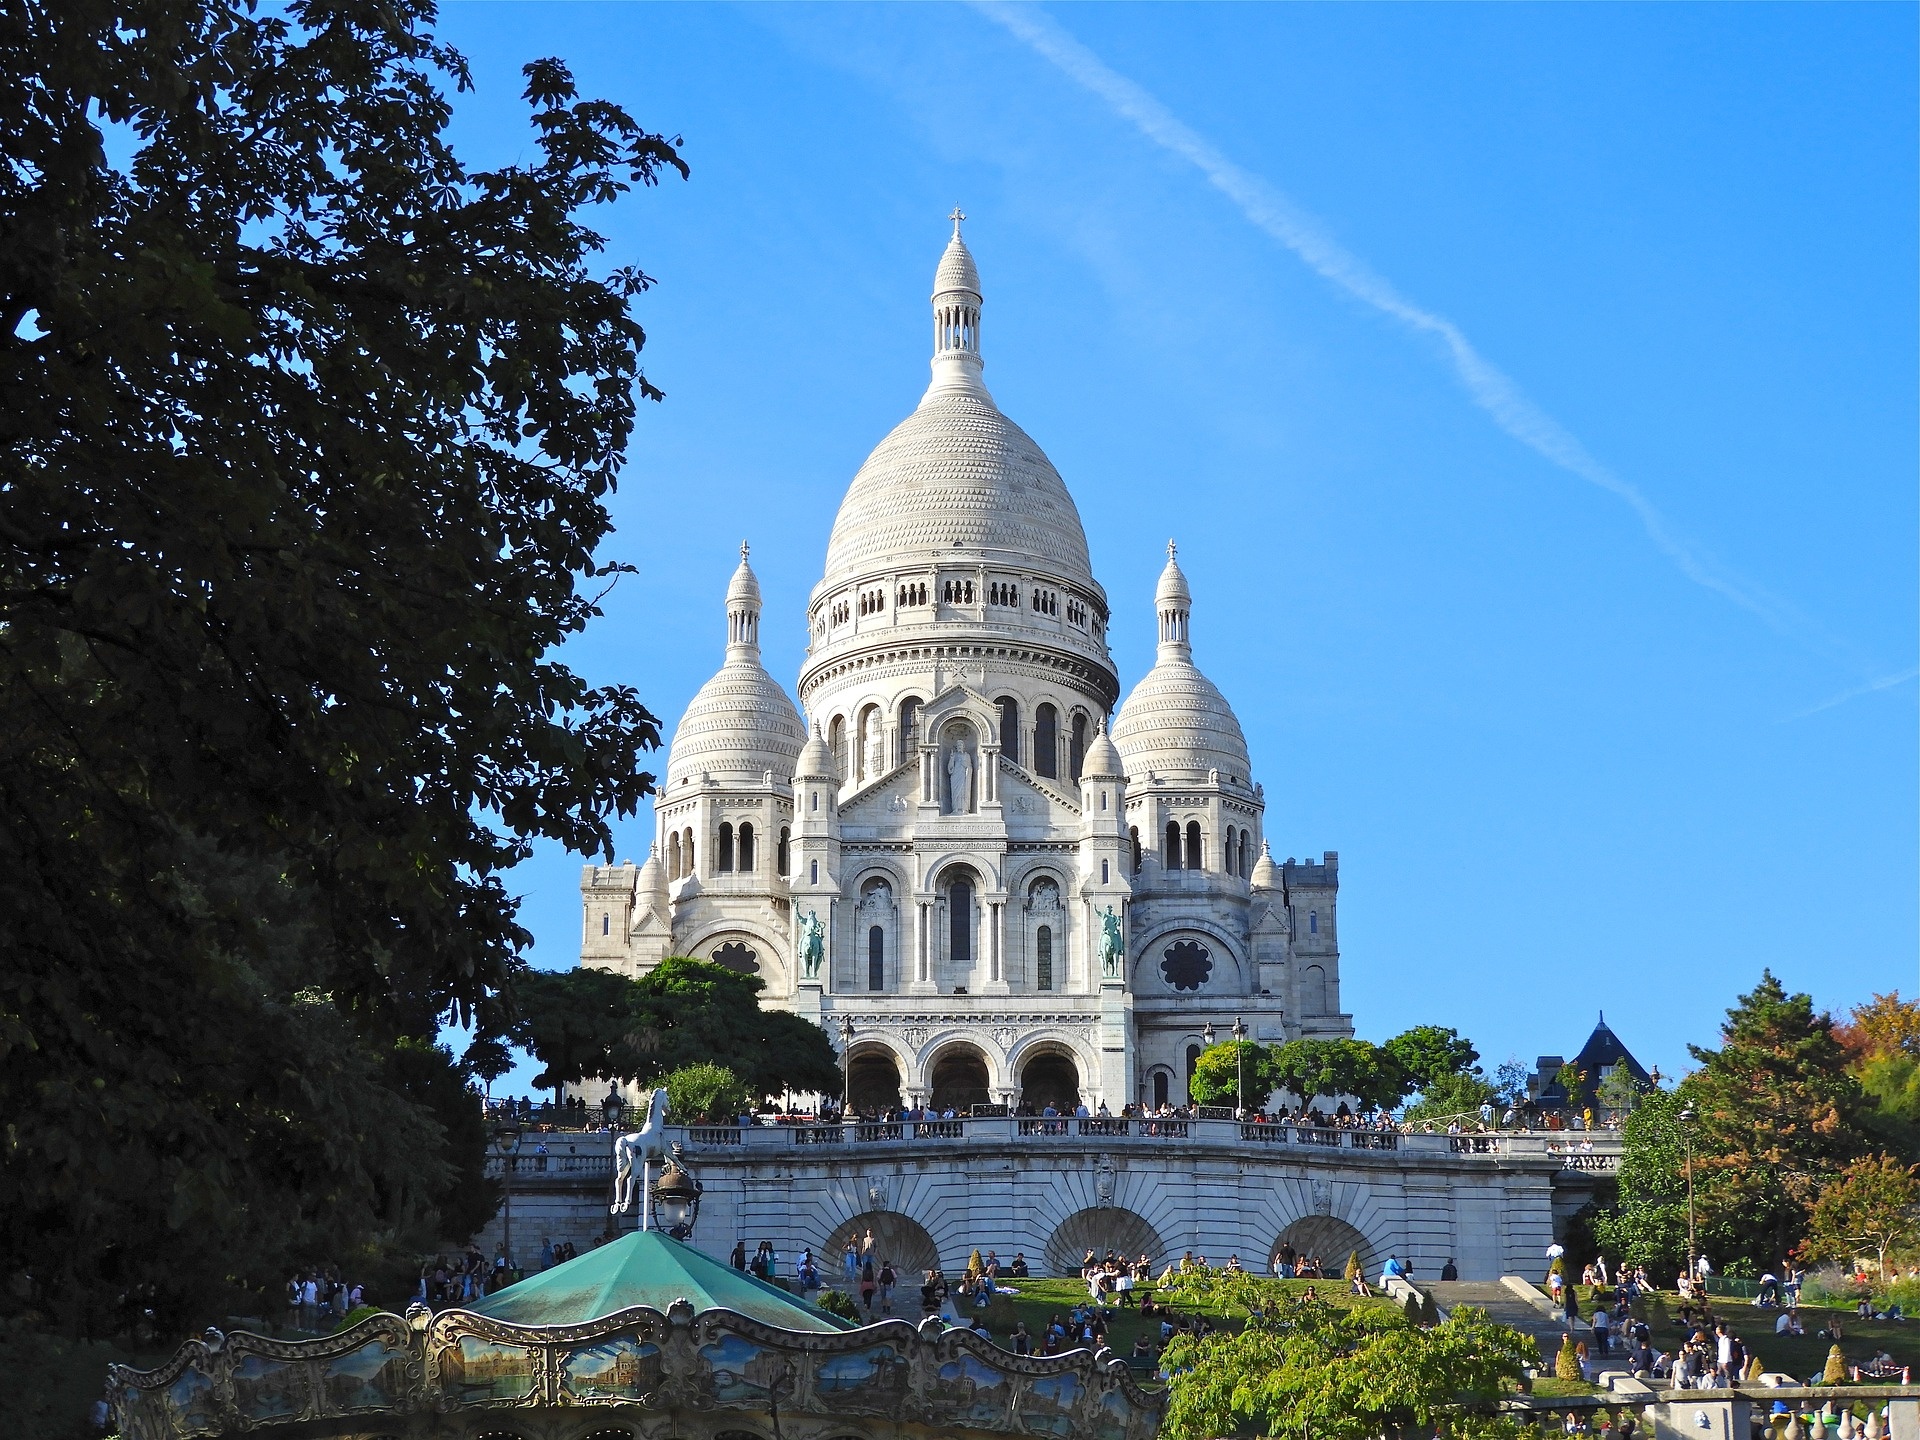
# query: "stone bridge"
1051,1188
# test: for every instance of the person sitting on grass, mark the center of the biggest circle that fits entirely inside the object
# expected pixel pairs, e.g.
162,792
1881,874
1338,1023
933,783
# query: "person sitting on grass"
1142,1347
1789,1324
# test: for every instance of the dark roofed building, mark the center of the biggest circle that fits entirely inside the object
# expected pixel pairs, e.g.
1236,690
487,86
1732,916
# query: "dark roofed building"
1598,1058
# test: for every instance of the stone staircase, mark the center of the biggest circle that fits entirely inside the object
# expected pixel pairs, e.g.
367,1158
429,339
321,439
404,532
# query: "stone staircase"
1504,1305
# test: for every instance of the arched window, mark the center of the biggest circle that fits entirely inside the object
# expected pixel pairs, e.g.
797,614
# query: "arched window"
1043,959
1195,860
960,913
692,866
673,856
723,857
1078,751
909,720
1010,728
1193,1063
814,867
837,742
1046,742
1313,922
1133,836
783,857
1227,853
606,924
746,847
1173,845
1246,851
1161,1080
876,958
1106,875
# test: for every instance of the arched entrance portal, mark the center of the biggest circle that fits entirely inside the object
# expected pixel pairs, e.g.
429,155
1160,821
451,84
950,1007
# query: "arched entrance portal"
1101,1228
873,1080
1331,1241
959,1080
1050,1078
896,1237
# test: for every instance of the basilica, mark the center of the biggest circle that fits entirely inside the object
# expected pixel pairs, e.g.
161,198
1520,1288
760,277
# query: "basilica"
947,855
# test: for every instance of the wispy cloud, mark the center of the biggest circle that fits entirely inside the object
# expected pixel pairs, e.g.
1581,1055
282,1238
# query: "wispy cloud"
1871,687
1489,388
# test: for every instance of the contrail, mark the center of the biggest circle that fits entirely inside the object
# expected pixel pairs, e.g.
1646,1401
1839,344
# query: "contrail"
1490,389
1884,682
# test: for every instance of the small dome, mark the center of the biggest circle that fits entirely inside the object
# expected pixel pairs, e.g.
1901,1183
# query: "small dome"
652,886
1265,873
957,271
1178,725
1172,589
738,727
816,759
744,588
1102,761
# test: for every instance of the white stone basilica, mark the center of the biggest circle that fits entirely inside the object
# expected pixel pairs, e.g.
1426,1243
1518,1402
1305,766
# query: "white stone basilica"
1009,900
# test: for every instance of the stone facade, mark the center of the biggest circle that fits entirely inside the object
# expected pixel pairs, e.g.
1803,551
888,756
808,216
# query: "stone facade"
951,851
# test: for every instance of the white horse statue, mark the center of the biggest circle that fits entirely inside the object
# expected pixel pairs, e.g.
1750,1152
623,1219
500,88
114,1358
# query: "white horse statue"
643,1146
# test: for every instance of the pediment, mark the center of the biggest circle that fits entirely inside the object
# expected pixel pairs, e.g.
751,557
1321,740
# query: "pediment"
888,800
1024,795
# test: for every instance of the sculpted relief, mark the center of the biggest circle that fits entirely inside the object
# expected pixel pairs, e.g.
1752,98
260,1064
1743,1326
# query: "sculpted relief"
957,767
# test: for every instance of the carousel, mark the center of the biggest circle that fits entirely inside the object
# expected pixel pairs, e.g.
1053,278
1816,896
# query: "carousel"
644,1338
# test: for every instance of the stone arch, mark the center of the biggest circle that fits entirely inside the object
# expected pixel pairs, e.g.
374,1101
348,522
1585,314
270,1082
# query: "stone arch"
874,1075
1227,975
1049,1074
896,1237
768,954
1332,1239
1313,990
1101,1228
959,1077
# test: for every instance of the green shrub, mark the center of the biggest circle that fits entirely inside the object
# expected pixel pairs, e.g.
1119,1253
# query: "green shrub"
836,1303
1566,1365
704,1091
1353,1266
1836,1372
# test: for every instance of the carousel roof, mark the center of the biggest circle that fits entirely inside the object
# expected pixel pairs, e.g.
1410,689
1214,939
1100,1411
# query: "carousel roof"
652,1269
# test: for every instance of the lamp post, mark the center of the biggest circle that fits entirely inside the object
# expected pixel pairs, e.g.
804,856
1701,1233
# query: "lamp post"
676,1198
1240,1065
612,1107
506,1143
1686,1118
846,1063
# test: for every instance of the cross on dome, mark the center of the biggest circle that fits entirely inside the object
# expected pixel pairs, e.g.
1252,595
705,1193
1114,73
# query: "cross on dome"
956,217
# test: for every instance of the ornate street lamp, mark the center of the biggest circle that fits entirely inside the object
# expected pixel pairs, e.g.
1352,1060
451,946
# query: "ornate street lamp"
1240,1065
846,1063
506,1143
1206,1033
676,1198
1686,1118
612,1107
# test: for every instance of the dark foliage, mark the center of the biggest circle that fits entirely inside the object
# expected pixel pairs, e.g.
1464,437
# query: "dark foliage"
305,434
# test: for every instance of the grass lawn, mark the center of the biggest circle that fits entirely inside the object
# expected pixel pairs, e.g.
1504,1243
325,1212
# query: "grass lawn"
1803,1356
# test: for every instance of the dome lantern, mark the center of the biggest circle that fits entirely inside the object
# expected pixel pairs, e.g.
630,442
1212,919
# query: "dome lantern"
743,611
1174,601
956,316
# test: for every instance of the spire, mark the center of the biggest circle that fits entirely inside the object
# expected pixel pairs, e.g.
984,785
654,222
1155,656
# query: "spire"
956,316
743,611
1174,602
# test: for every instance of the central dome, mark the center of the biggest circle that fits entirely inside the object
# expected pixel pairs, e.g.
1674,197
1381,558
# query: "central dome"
956,477
956,474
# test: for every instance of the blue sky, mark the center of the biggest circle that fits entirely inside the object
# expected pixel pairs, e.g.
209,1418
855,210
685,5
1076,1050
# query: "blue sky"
1589,646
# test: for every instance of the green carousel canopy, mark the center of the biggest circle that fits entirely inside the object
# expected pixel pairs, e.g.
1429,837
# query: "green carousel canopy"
648,1268
645,1336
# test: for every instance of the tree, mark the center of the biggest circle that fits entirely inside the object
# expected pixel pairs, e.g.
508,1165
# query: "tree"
703,1091
1510,1081
1647,1223
586,1022
1449,1097
1216,1075
1778,1114
1429,1054
1882,1043
1874,1203
1336,1374
1619,1092
1566,1365
306,431
1310,1068
1884,1025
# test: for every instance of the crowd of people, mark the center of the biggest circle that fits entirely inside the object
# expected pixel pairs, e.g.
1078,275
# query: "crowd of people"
318,1299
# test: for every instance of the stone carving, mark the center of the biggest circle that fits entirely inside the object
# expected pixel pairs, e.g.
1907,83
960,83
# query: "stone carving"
1003,1036
877,1194
959,780
1322,1198
813,944
897,804
916,1035
1103,1181
1113,946
643,1146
